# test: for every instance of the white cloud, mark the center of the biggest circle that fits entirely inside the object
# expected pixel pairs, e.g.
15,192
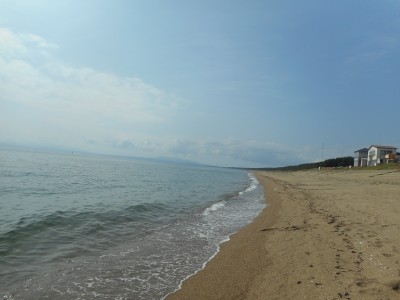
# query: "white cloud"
37,41
11,44
24,46
69,101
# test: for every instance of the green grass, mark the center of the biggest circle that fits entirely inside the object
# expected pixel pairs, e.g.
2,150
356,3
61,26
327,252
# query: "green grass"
391,166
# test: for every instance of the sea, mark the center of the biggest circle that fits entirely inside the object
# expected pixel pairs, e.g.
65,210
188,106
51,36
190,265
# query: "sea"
83,226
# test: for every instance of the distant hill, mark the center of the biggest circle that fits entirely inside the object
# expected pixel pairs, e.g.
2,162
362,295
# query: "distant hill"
70,150
175,160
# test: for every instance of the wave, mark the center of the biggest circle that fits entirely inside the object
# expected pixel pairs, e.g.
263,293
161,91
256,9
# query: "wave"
69,232
214,207
253,184
227,197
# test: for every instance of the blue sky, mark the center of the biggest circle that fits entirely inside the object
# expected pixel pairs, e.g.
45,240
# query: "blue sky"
229,83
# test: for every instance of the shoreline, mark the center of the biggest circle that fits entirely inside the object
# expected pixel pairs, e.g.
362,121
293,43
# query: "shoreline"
207,282
224,242
322,235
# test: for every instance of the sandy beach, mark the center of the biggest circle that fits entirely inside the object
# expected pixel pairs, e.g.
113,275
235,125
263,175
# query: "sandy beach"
329,234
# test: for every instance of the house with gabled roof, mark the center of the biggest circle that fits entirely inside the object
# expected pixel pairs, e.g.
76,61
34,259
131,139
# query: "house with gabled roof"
378,154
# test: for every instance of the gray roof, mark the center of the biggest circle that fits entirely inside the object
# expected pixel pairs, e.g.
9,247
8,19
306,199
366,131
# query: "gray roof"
362,150
380,146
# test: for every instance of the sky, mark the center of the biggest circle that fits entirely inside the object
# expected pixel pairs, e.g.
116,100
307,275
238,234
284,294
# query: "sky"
230,83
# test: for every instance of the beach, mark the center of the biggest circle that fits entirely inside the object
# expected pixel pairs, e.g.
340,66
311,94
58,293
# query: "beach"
325,234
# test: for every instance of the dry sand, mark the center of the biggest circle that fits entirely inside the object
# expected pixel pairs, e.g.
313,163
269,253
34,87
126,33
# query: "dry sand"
326,234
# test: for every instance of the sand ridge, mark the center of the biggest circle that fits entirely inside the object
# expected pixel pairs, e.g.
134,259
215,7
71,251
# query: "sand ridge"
329,234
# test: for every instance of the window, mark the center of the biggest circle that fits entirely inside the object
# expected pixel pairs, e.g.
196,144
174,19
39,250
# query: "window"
386,151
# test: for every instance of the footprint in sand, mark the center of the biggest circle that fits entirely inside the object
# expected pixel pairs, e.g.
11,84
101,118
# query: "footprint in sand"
395,285
387,254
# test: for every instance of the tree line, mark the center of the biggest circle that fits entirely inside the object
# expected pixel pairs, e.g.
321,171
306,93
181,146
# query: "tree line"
338,162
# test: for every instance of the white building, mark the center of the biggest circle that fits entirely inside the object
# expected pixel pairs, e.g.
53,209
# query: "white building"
361,157
377,153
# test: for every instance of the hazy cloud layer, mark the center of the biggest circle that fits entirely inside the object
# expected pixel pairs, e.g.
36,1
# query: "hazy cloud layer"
39,91
222,152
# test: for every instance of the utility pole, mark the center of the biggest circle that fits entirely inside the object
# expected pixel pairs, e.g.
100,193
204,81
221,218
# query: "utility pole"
322,152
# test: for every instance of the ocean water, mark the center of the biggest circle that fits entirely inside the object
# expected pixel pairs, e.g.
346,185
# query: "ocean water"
94,227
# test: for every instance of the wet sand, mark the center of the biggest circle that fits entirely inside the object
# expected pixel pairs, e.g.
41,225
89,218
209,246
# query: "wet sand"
329,234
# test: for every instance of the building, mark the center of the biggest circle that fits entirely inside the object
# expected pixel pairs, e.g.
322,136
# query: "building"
361,157
378,154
